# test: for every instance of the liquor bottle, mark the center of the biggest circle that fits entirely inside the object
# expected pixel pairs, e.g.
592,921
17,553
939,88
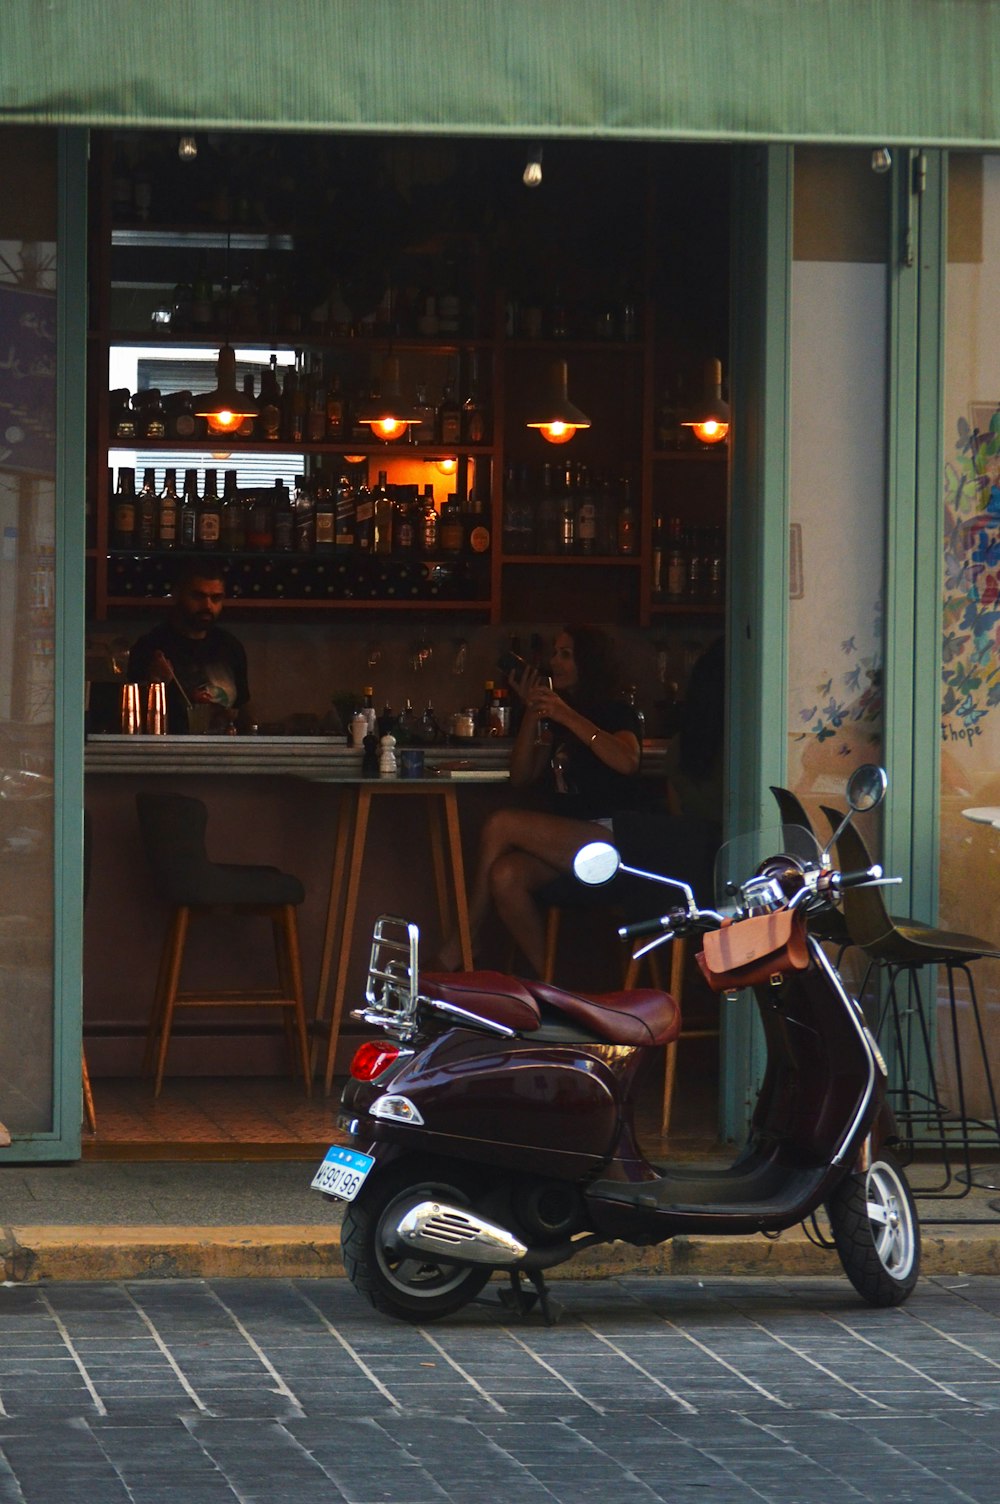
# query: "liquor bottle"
201,297
167,512
586,514
477,528
368,709
248,427
423,431
451,529
715,570
676,562
293,407
406,523
304,511
122,417
269,405
123,532
233,538
189,510
473,413
260,521
325,517
154,419
346,500
695,564
210,514
484,715
334,412
626,539
364,521
316,405
181,420
284,519
429,526
145,512
383,510
449,417
567,523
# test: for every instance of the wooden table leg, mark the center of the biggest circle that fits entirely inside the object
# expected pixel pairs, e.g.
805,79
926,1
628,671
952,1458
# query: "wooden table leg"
437,861
357,856
458,876
346,812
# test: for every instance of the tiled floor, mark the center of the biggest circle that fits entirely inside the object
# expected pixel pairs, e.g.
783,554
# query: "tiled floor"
256,1117
202,1117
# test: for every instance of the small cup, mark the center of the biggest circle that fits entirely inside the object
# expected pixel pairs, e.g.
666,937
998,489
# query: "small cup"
156,709
200,719
411,762
131,717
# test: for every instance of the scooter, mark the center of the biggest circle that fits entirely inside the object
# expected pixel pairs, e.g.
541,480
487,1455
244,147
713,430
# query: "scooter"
491,1123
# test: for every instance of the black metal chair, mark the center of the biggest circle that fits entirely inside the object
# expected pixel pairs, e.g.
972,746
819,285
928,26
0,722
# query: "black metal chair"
173,833
901,948
830,925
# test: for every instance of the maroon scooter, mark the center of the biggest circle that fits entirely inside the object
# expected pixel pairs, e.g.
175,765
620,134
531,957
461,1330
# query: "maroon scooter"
491,1121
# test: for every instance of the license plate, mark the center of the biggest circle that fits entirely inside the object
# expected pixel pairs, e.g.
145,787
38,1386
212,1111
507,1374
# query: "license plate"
342,1173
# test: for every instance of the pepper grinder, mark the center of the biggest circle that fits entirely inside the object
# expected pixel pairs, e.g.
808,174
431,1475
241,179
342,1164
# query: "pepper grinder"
369,762
387,766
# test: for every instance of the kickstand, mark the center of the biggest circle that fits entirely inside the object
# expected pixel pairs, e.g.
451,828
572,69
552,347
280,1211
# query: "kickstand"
522,1301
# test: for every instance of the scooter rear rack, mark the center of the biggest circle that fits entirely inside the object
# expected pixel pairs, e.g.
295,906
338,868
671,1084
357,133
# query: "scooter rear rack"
391,989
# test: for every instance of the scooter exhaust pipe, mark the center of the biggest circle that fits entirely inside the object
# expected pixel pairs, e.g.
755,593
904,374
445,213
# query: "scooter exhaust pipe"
455,1233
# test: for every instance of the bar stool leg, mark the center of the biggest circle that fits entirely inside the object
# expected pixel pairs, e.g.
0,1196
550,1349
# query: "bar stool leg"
345,827
350,911
89,1114
458,876
176,941
292,963
553,918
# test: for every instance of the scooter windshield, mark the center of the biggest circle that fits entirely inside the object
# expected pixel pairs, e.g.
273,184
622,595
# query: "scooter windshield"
783,847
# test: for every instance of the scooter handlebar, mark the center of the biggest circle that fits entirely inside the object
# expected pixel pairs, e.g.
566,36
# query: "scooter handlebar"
670,921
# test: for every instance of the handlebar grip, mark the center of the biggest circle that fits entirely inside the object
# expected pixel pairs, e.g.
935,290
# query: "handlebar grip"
643,927
857,879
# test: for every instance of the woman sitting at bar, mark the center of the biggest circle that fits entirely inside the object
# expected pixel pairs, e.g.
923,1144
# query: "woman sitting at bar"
581,742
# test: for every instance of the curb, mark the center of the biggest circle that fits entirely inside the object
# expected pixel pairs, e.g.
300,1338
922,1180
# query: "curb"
32,1254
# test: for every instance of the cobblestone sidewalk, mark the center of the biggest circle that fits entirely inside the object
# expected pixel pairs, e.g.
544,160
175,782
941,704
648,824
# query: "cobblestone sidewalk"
647,1389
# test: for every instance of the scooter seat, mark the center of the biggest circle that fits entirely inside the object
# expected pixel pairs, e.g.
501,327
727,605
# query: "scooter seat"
489,994
641,1015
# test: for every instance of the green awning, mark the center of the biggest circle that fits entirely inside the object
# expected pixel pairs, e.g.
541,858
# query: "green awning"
866,71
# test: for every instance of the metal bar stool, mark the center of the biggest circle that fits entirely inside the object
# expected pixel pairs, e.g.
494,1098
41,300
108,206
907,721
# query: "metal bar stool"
173,833
901,948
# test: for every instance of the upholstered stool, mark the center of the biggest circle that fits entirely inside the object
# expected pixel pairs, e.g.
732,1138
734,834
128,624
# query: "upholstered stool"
173,834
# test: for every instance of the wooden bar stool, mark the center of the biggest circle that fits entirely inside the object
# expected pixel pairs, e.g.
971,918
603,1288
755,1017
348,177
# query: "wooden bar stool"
173,834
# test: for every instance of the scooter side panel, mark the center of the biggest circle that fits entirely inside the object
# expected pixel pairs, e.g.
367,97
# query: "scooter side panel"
509,1102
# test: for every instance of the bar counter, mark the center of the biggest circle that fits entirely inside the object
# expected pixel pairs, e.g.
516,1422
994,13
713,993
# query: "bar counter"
284,801
315,757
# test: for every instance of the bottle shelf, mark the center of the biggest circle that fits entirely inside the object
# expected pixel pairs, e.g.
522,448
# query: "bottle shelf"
688,608
710,456
238,603
312,340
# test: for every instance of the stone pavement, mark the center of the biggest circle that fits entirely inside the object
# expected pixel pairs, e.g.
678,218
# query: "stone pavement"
757,1391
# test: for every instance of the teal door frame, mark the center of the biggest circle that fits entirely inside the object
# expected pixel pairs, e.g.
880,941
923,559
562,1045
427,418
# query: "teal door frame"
62,1141
759,519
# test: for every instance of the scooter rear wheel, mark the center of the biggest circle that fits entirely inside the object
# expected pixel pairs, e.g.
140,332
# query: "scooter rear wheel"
875,1227
410,1286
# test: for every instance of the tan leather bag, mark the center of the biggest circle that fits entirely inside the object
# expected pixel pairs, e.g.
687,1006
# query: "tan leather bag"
748,952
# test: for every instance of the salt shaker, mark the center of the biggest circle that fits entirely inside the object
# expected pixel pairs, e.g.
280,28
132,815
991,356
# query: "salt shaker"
387,767
358,729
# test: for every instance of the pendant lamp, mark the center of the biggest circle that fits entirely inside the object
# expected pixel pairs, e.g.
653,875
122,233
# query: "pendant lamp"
225,408
710,418
388,414
558,418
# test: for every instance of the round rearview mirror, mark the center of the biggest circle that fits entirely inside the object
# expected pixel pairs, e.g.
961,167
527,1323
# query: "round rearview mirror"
596,863
866,787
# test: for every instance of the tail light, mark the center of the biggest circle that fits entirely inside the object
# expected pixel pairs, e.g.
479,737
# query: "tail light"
372,1058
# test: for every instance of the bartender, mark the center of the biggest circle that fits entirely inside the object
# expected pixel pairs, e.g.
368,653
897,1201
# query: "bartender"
203,665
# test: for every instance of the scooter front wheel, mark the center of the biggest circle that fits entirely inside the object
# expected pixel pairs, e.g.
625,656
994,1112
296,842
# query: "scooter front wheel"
875,1227
410,1286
